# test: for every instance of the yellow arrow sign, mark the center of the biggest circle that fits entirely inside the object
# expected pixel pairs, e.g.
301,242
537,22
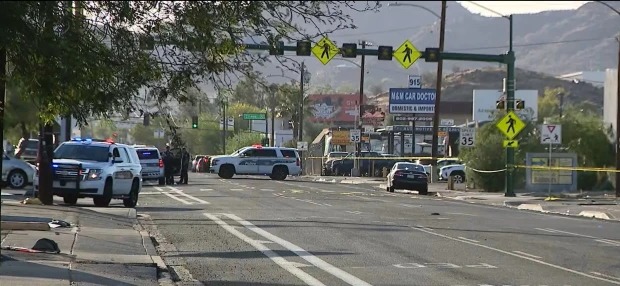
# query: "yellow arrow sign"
325,50
510,125
511,143
407,54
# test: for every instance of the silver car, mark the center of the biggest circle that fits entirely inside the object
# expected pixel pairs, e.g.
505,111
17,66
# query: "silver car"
16,173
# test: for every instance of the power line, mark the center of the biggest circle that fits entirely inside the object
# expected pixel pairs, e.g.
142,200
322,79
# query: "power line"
488,9
534,44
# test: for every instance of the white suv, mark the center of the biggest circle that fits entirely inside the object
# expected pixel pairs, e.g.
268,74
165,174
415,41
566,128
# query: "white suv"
152,163
276,162
102,170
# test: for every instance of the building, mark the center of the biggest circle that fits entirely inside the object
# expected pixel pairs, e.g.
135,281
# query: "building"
596,78
610,97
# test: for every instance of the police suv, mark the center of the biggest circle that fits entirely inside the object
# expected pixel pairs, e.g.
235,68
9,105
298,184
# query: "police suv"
275,162
98,169
152,163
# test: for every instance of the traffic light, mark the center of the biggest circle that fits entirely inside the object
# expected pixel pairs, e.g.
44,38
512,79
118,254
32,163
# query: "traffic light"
500,104
264,142
431,55
194,122
385,53
349,50
303,48
147,119
276,49
519,104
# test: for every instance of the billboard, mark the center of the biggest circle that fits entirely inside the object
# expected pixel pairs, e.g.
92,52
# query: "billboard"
412,101
484,103
328,108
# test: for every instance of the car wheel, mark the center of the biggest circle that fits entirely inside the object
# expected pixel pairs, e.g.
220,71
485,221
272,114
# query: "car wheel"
226,172
17,179
104,200
132,201
458,177
423,191
70,200
279,173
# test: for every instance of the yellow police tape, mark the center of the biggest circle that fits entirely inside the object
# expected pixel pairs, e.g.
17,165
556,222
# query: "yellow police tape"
583,169
387,158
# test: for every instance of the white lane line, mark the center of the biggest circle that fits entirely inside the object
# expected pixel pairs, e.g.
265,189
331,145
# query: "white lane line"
411,206
236,189
354,212
267,190
180,192
526,254
150,193
518,255
301,200
206,190
605,275
545,230
285,264
468,239
464,214
333,270
572,233
612,242
172,197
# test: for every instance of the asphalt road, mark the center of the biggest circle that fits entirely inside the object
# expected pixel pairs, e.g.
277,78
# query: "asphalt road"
262,232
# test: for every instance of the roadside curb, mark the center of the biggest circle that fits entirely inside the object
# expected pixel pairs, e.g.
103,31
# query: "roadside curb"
20,225
168,274
596,214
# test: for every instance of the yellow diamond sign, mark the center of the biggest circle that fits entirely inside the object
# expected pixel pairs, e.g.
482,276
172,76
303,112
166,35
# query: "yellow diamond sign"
511,143
407,54
510,125
325,50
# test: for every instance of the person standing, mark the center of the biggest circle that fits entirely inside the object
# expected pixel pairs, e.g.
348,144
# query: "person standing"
21,146
184,166
167,158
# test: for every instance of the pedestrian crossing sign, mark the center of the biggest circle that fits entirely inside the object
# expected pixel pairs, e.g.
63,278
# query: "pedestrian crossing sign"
511,144
407,54
511,125
325,50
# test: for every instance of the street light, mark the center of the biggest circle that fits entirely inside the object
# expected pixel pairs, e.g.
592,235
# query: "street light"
435,131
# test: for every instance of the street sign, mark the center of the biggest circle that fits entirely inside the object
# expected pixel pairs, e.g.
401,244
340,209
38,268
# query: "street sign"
467,137
510,125
407,101
551,134
254,116
230,123
407,54
447,122
413,118
511,143
355,135
325,50
415,81
302,146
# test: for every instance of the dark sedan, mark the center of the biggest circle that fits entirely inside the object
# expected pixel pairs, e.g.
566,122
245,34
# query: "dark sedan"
408,176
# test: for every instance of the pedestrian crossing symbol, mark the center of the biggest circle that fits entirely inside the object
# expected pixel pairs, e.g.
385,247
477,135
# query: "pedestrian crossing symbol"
325,50
511,125
407,54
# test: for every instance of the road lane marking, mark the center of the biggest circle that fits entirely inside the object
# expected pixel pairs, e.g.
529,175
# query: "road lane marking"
411,206
150,193
518,255
571,233
180,192
462,214
468,239
612,242
526,254
172,197
285,264
605,275
333,270
546,230
302,200
354,212
236,189
206,190
267,190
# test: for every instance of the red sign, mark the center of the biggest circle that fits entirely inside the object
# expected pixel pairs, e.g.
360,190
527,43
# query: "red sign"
342,108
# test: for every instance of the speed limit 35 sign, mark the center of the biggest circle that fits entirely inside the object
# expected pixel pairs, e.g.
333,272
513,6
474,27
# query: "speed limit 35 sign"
467,137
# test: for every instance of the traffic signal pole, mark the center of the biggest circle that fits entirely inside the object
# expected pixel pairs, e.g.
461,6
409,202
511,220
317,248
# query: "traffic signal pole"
510,106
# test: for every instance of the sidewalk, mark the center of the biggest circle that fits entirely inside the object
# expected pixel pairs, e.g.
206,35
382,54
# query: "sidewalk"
104,246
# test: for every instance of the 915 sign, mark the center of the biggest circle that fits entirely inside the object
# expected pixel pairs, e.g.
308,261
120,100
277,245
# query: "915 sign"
415,81
467,137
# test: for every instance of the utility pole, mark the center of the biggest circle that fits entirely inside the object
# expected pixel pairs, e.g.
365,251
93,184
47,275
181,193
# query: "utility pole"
510,106
358,146
618,122
301,105
436,119
3,73
224,125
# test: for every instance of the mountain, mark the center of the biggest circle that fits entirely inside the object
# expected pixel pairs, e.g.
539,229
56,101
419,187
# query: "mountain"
554,42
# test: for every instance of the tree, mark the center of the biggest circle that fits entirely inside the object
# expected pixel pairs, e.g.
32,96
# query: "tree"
236,110
243,139
206,139
249,91
289,102
20,112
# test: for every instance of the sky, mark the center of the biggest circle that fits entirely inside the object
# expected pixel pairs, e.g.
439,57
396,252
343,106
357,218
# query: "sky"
519,7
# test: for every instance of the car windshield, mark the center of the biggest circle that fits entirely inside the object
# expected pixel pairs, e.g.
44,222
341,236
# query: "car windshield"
32,144
413,167
337,155
238,151
82,152
146,154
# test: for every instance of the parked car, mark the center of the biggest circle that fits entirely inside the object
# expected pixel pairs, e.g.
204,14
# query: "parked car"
16,173
408,176
457,172
31,151
440,163
275,162
195,162
152,163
